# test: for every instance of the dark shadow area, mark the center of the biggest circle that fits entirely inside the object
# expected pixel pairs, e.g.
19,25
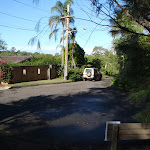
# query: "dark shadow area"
63,122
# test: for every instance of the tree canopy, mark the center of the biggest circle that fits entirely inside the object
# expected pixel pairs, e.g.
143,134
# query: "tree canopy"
136,10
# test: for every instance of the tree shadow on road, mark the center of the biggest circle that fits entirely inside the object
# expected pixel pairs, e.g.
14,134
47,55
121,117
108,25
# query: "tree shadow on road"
63,120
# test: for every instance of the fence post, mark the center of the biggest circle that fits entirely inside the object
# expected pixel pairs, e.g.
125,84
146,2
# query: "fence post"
49,72
114,137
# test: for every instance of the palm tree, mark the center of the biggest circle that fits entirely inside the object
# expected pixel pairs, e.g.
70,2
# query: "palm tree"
61,9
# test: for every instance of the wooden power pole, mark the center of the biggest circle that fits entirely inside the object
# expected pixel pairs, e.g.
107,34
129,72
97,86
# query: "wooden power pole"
66,47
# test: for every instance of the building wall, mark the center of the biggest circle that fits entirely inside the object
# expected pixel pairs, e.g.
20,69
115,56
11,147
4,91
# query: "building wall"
29,73
52,71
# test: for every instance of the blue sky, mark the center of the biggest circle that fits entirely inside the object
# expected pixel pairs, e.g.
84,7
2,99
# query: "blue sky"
19,18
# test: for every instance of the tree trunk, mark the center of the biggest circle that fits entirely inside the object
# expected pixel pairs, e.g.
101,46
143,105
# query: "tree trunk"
73,62
63,47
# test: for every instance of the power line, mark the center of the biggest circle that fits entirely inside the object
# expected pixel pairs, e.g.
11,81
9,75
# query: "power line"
86,34
91,41
21,17
18,28
90,15
17,17
93,22
30,6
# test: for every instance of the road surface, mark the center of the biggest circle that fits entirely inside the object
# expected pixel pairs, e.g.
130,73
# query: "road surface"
61,116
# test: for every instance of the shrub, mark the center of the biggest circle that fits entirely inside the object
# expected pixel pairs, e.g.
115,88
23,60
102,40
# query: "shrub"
59,71
6,73
141,96
144,115
75,75
125,82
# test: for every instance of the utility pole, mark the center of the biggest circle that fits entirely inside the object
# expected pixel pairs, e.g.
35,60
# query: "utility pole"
66,47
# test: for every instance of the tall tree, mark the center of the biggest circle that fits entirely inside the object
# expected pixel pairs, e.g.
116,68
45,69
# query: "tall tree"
78,54
13,51
98,50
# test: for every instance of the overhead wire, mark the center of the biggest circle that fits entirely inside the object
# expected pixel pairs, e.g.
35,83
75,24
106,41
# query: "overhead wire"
91,20
86,34
10,15
30,6
18,28
83,38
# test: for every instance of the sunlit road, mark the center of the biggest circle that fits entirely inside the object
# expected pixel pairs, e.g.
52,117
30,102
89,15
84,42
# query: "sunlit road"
60,115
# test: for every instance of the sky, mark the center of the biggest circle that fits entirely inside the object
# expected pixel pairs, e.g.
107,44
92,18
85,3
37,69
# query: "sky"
18,19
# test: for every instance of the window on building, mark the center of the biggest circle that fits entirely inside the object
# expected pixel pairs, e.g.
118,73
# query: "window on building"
39,71
24,72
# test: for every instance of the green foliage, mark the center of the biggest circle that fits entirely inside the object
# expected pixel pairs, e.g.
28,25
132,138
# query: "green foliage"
92,61
135,61
39,60
6,73
59,71
123,81
137,10
98,50
96,63
134,58
105,59
75,75
5,53
13,52
78,54
144,115
141,95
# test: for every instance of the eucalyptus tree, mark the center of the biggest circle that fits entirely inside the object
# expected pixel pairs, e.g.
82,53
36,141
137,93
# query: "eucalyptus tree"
136,10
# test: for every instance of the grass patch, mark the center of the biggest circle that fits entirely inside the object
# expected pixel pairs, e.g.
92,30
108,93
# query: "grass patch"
40,82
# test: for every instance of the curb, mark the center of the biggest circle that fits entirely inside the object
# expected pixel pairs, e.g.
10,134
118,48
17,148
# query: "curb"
13,87
4,88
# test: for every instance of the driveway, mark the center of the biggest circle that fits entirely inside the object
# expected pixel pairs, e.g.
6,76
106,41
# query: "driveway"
61,116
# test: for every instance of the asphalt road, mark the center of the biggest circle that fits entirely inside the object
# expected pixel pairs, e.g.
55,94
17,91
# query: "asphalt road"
62,116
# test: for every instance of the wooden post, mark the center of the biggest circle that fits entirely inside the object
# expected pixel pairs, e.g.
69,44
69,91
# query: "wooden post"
66,48
114,137
49,72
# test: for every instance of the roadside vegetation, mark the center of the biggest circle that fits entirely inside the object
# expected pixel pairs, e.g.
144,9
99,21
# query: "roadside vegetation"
130,26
